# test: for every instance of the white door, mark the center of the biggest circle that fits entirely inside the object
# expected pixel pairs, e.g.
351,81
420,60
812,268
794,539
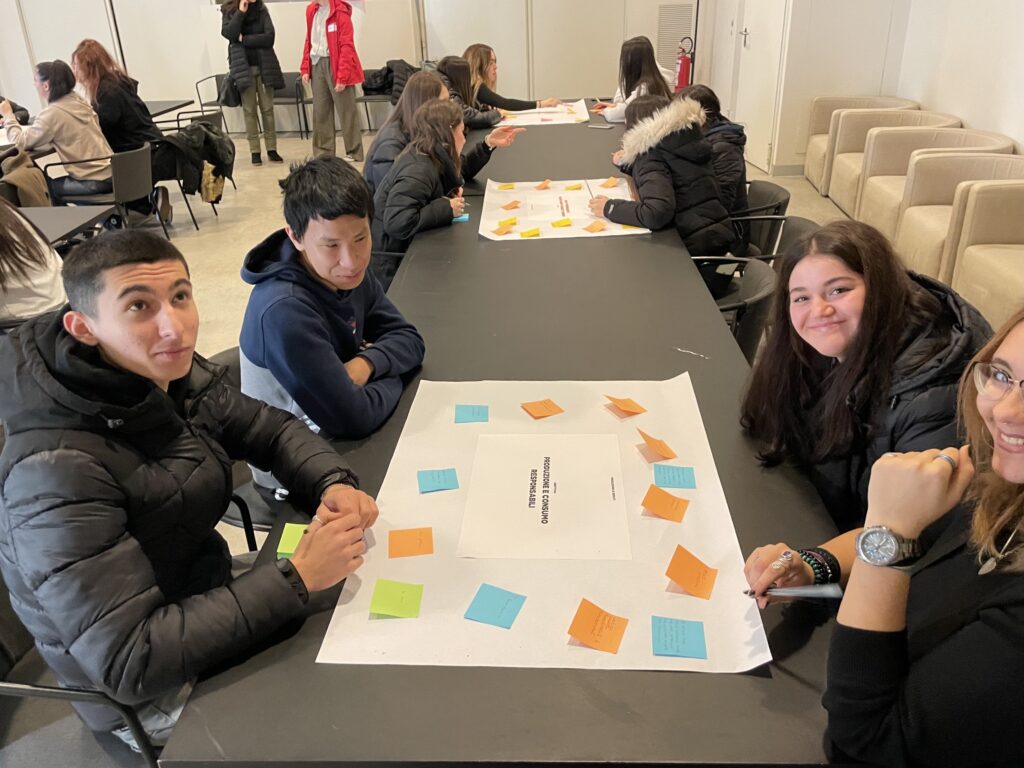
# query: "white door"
760,39
724,53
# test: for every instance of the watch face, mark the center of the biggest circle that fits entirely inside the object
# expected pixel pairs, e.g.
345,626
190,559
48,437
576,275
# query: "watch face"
878,547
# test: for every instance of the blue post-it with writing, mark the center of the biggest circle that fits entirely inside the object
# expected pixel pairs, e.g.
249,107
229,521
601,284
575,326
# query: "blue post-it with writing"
431,480
669,476
495,606
678,637
469,414
461,219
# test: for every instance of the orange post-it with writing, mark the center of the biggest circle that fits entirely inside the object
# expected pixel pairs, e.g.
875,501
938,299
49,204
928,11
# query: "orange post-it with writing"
596,628
627,405
691,574
544,184
541,409
596,226
611,181
660,447
511,206
660,502
410,542
503,230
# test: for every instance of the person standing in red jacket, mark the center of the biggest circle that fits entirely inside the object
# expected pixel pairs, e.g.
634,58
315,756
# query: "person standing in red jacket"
330,62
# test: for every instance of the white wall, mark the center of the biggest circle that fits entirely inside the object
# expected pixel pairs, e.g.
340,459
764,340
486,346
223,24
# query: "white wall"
965,57
15,61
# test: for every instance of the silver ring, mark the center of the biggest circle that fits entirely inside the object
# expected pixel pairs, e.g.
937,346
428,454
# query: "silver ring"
890,453
316,519
947,458
779,565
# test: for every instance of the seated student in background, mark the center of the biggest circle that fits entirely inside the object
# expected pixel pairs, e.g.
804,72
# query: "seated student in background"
861,358
423,190
455,74
30,283
483,69
319,337
68,123
117,467
670,164
393,136
727,141
639,75
925,665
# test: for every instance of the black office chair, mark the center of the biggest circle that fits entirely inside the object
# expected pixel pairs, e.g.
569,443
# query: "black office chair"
745,307
132,177
794,230
210,105
293,94
763,217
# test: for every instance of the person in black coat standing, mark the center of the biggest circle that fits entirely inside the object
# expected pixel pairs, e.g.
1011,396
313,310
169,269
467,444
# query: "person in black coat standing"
670,162
253,65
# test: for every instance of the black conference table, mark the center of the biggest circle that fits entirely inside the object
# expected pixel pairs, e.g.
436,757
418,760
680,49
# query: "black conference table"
602,308
58,223
158,108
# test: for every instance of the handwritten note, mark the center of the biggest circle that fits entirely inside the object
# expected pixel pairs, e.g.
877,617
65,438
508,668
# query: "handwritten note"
659,447
541,409
690,573
495,606
596,628
671,476
678,637
471,414
431,480
396,598
664,504
410,542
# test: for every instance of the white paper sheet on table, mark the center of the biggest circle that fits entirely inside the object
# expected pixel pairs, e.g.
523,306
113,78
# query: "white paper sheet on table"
636,589
573,112
541,208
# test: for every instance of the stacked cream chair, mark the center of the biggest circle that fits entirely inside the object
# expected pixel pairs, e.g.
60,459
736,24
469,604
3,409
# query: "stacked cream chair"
935,202
851,138
824,124
887,157
988,269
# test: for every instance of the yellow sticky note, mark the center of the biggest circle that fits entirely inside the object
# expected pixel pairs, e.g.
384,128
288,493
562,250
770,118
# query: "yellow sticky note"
410,542
507,229
627,405
660,502
509,222
544,184
629,226
573,187
596,628
511,206
506,186
541,409
660,447
691,574
562,223
596,226
611,181
535,232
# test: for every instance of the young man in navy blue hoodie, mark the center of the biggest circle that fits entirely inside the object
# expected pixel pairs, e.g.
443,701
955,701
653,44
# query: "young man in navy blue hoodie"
320,339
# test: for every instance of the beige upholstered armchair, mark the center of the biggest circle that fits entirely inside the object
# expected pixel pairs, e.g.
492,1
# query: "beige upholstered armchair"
988,269
887,158
822,133
935,203
852,137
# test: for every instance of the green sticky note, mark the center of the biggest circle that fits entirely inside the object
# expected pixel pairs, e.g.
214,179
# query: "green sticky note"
396,598
290,537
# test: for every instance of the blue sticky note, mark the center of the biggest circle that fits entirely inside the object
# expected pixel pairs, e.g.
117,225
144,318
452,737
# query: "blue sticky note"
461,219
469,414
431,480
495,606
677,637
669,476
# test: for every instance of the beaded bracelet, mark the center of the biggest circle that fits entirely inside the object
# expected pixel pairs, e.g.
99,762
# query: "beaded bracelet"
823,564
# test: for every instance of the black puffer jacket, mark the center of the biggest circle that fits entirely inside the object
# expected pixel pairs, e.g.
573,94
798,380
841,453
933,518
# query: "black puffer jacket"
727,141
256,29
109,492
919,411
670,162
471,116
401,71
390,142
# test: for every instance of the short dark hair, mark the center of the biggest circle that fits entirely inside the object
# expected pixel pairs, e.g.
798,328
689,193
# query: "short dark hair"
324,188
705,97
60,77
85,265
643,107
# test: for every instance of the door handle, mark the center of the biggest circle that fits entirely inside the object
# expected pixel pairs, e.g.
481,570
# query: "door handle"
745,33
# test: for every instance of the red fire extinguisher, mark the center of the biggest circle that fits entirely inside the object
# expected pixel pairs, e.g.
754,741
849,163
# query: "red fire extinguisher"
684,63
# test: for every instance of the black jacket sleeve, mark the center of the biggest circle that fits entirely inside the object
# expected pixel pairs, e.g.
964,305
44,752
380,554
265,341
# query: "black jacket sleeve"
476,118
486,96
110,109
657,198
264,39
475,158
381,157
727,160
412,206
231,25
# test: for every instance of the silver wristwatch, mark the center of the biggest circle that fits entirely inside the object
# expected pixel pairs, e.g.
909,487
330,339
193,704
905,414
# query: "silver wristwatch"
880,546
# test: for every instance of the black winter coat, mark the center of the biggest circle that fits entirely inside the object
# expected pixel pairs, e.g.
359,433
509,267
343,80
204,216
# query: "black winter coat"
401,71
471,116
727,141
110,490
390,142
919,410
124,118
257,31
198,143
670,162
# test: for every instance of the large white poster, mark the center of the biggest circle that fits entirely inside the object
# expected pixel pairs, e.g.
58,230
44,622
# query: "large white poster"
564,113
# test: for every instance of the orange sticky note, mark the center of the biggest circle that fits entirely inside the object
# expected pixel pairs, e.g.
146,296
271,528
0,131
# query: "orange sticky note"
541,409
660,447
596,628
511,221
573,187
535,232
410,542
506,186
660,502
511,206
596,226
562,223
691,574
611,181
503,230
544,184
627,405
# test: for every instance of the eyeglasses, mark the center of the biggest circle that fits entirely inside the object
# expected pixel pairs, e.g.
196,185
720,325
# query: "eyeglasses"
994,383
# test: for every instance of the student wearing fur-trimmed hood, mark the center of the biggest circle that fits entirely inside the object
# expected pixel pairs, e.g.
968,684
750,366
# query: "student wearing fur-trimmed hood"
665,152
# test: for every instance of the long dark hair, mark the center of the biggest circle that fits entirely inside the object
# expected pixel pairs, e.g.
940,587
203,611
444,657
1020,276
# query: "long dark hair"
22,248
802,405
60,77
419,89
456,69
707,98
637,66
432,127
